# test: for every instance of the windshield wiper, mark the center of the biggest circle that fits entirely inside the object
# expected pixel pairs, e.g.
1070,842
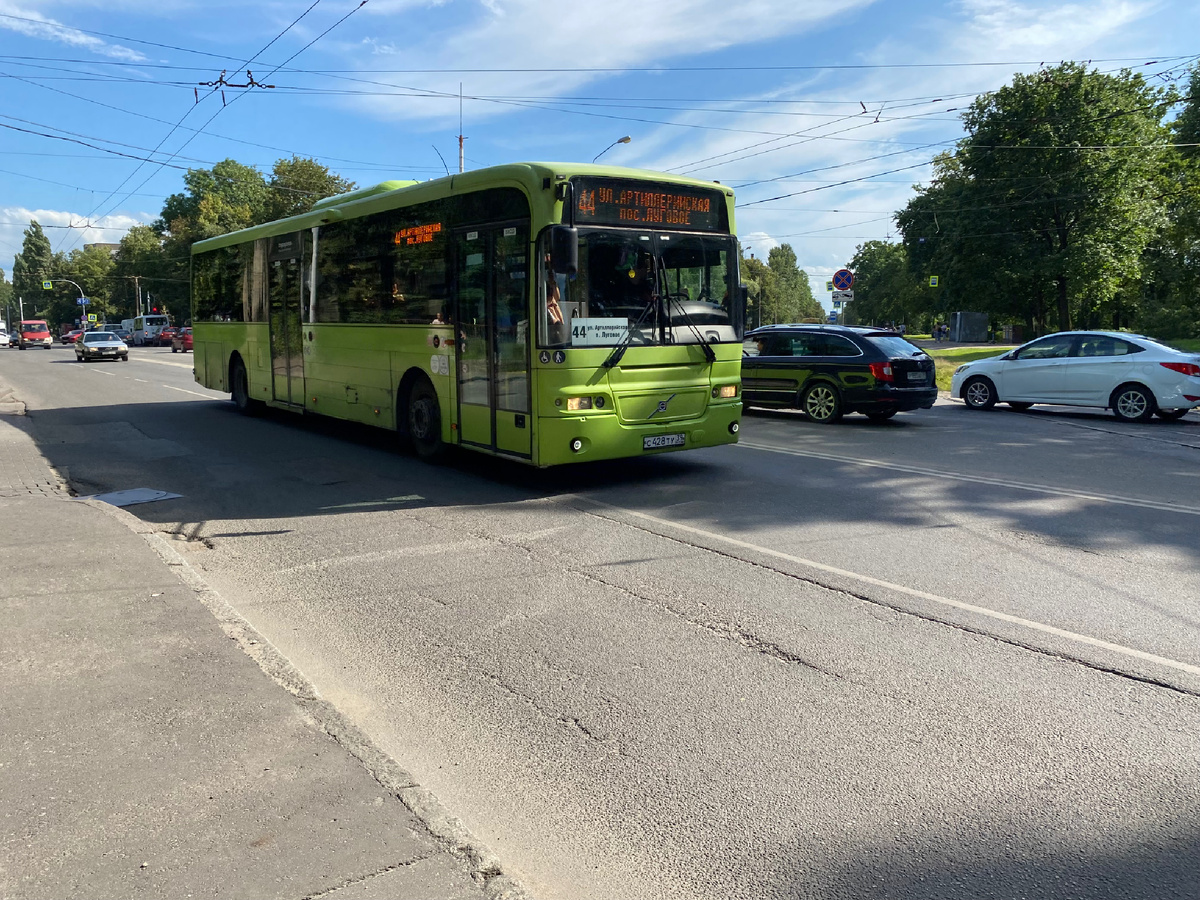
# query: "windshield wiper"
687,320
619,350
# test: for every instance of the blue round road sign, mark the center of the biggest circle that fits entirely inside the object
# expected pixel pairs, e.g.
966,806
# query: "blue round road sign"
843,280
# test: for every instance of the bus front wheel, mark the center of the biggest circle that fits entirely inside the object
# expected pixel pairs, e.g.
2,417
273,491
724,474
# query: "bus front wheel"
425,421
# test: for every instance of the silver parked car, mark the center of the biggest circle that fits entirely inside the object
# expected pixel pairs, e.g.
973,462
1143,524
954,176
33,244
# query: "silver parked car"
1135,376
100,345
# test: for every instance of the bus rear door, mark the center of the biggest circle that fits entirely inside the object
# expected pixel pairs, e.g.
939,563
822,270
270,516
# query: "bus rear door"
287,332
492,318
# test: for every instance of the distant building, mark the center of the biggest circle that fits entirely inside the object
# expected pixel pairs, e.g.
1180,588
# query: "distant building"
111,248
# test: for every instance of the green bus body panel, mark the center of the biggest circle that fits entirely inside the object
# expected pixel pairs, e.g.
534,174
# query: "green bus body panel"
356,372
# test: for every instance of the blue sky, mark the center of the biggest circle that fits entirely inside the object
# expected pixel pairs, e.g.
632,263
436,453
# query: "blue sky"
835,107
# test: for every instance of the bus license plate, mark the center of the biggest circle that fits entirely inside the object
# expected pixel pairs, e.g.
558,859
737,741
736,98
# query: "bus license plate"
657,441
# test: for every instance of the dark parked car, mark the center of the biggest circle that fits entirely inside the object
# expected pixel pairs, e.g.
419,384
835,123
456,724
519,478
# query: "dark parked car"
829,370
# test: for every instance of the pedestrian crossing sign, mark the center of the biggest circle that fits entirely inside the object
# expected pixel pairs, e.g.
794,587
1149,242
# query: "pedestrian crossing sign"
933,281
47,285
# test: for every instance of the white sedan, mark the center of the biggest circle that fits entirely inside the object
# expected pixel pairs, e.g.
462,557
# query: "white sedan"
1134,376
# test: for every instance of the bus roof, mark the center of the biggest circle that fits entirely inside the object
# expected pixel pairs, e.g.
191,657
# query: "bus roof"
530,176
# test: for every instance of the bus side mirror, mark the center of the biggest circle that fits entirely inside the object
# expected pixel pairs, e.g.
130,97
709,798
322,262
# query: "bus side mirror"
564,249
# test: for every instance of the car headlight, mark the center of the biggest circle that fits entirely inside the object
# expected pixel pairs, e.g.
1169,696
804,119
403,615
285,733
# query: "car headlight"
961,369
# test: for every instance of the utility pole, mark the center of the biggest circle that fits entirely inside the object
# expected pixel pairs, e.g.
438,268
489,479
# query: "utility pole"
461,158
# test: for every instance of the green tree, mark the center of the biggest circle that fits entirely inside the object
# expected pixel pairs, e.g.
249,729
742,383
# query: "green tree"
760,286
141,265
296,184
791,299
886,290
91,268
1049,202
31,266
6,298
225,198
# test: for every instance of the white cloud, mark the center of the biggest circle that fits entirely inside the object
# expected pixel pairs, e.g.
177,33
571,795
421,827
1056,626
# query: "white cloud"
758,243
64,228
546,34
1003,26
33,24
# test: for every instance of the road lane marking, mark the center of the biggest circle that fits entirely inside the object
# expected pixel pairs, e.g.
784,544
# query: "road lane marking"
164,362
899,588
978,479
193,393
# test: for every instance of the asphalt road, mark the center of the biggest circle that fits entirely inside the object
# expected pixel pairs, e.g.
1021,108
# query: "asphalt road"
955,655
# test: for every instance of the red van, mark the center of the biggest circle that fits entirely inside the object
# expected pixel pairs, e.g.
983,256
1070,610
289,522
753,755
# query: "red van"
34,333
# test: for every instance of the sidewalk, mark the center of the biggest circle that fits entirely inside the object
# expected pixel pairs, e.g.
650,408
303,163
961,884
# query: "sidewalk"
145,753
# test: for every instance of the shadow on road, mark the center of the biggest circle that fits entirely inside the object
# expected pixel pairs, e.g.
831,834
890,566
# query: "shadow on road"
281,465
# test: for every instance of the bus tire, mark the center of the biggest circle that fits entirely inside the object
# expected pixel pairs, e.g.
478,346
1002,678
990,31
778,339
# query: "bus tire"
424,421
239,388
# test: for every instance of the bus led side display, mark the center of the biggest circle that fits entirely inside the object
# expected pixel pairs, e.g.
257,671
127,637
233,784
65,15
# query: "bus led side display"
418,234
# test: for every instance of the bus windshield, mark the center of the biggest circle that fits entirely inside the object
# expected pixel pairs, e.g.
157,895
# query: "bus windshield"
644,288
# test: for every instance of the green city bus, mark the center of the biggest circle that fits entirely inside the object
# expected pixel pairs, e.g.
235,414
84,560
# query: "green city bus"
542,312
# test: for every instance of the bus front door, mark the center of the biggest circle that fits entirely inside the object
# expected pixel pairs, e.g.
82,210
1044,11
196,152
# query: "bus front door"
287,333
492,316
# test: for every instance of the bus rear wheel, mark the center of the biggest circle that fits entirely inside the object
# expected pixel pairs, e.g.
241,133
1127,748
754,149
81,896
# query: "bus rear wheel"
239,387
425,421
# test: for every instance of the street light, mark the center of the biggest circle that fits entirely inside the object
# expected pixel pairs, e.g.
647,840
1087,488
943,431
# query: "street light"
83,300
624,140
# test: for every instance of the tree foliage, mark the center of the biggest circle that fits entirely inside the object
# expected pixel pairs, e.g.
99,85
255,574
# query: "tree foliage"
778,290
885,289
32,265
1045,209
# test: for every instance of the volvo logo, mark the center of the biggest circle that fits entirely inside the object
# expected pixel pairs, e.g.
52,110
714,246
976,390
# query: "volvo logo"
662,406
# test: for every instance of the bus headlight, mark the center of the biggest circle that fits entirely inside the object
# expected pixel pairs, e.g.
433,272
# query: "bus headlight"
578,403
725,391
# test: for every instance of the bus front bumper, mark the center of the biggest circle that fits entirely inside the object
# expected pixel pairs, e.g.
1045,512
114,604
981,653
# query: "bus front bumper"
567,439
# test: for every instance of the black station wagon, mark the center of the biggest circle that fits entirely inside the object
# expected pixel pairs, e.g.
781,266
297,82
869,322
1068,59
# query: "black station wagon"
828,370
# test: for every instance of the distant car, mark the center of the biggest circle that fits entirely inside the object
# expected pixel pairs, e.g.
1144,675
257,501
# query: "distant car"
1135,376
3,337
182,341
122,333
829,370
166,336
71,336
100,345
34,333
13,339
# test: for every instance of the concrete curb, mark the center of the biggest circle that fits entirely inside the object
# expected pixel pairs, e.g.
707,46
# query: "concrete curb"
447,829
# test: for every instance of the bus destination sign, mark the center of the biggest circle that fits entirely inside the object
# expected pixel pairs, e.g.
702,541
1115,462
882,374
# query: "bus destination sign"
615,201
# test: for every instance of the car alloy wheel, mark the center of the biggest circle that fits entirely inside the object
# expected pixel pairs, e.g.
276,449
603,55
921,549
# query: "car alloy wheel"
1132,403
979,393
822,404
